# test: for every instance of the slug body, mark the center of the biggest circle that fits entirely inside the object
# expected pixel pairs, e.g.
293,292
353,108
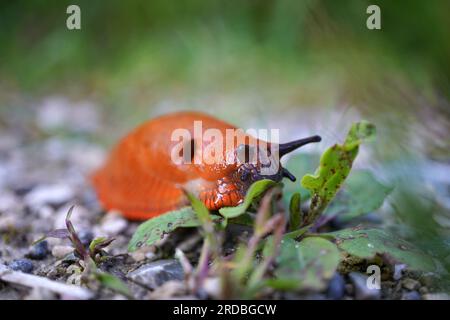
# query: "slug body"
141,179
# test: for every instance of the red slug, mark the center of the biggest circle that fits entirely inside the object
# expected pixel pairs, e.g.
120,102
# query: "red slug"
141,179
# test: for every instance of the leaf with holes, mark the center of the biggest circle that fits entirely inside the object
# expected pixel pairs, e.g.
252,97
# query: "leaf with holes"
335,165
307,264
154,229
367,243
361,194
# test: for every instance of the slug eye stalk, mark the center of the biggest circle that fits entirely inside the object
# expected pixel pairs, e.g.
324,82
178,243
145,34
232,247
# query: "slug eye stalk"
288,147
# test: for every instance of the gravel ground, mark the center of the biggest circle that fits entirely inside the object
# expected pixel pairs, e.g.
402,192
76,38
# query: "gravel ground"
42,175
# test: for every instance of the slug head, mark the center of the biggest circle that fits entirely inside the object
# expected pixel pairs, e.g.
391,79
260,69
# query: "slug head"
262,160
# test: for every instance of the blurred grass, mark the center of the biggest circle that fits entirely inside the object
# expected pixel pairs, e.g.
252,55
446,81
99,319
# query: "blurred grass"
132,50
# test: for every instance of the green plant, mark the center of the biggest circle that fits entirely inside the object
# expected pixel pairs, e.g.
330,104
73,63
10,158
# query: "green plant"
286,251
89,258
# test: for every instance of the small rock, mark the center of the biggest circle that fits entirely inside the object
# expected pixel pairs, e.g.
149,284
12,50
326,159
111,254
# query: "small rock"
213,287
23,265
70,258
60,252
113,223
336,287
398,271
154,274
49,194
146,252
46,212
410,284
9,201
413,295
362,292
169,290
86,237
436,296
39,251
429,279
423,290
7,222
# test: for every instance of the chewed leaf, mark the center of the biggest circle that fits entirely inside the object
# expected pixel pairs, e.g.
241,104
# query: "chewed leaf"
360,132
361,194
255,190
335,165
154,229
367,243
307,264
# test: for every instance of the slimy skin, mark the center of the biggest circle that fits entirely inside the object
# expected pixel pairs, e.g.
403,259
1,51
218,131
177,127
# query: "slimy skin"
141,180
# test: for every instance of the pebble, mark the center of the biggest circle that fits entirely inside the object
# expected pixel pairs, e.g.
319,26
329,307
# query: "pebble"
213,287
169,290
56,194
154,274
423,290
86,237
23,265
46,212
7,222
398,271
410,284
412,295
9,201
336,287
146,252
60,252
113,223
39,251
362,292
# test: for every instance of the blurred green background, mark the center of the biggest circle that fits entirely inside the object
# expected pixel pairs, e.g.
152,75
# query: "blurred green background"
135,56
296,64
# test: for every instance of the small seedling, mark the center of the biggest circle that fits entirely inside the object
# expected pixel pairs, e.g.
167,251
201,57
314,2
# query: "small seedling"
89,257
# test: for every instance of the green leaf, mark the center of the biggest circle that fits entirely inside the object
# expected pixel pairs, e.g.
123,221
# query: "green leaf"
245,219
255,191
112,282
307,264
200,209
361,194
98,244
360,132
295,212
335,165
367,243
154,229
